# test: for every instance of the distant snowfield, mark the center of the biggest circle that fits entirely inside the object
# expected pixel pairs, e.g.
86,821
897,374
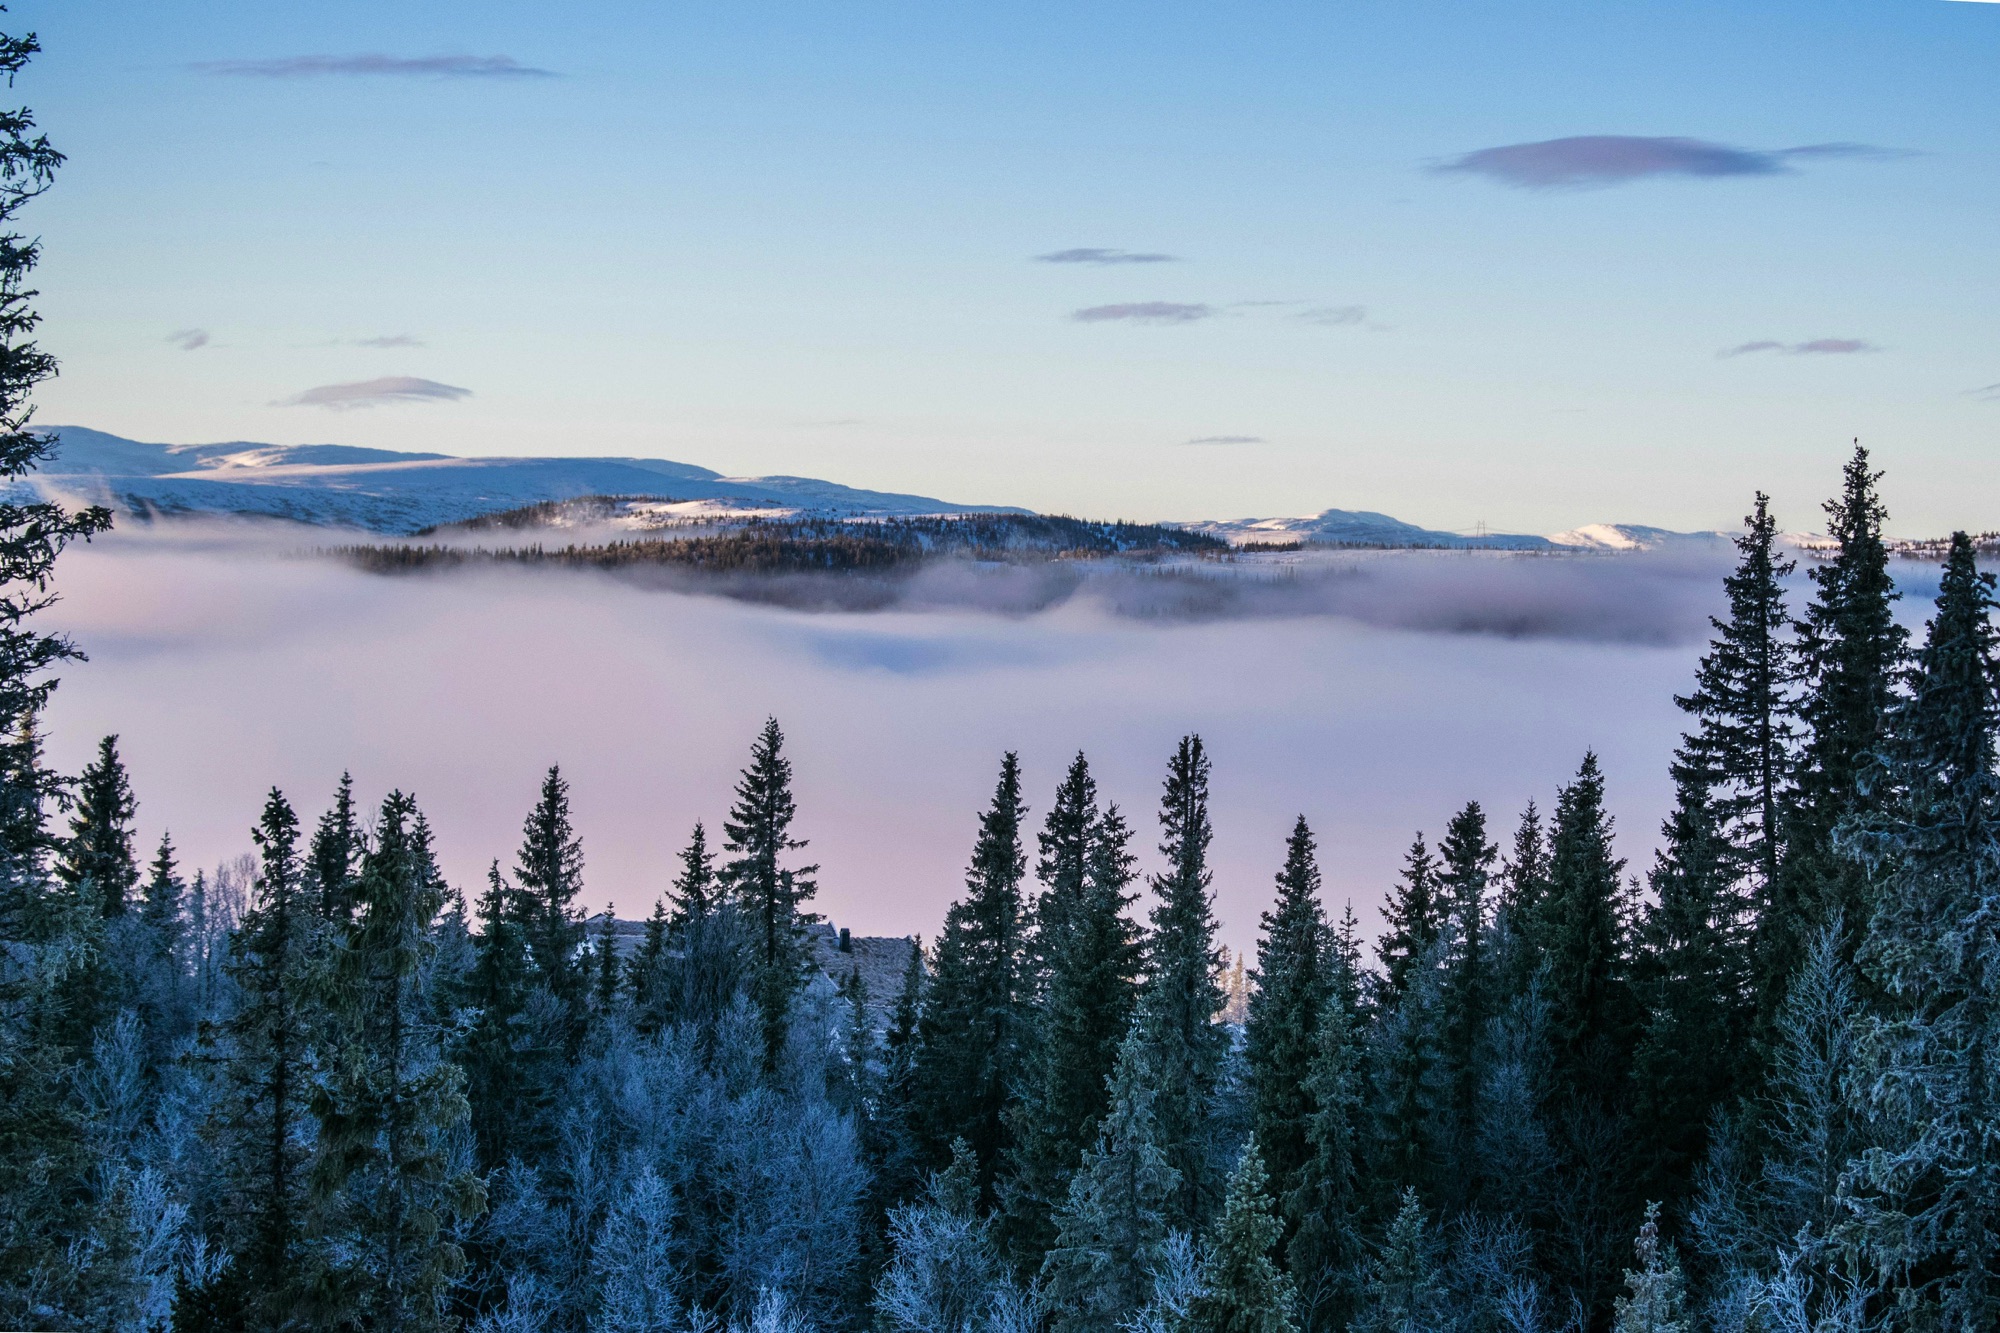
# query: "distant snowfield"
227,667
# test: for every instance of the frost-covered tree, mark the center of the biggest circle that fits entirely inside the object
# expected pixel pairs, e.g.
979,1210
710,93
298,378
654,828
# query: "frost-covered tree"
1243,1290
383,1179
1112,1231
1926,1200
1656,1292
944,1274
632,1260
1405,1293
335,859
1328,1205
1412,921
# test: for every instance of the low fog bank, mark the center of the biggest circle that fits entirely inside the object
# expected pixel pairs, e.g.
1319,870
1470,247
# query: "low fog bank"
1652,598
226,670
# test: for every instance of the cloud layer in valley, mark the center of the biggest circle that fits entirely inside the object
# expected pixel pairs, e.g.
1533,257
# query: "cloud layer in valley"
376,393
1374,699
1614,159
376,64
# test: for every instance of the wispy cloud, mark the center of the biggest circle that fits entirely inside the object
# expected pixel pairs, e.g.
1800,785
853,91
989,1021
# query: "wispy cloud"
1225,439
1145,312
390,340
1987,393
376,393
188,340
1333,315
1093,255
1813,347
1615,159
374,63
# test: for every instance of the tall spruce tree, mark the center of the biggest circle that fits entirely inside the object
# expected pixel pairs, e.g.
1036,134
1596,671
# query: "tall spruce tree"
1294,983
97,856
383,1180
1523,880
708,941
1088,950
548,877
1467,991
1580,934
769,895
1741,751
270,1041
970,1040
1851,653
1178,1007
1112,1230
1928,1200
335,859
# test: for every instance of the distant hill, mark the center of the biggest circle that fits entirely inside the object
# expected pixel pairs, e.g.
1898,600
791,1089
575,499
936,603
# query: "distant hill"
383,490
1365,528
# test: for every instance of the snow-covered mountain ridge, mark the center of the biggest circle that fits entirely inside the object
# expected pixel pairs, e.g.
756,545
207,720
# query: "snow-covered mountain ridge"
384,490
393,492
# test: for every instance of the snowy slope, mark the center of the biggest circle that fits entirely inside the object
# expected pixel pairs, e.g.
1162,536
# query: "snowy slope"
387,491
1360,527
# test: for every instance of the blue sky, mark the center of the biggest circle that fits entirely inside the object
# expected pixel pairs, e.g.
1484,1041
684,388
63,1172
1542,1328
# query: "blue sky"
799,238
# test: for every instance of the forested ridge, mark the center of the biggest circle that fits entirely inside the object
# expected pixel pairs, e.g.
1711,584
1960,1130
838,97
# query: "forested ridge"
1753,1085
793,545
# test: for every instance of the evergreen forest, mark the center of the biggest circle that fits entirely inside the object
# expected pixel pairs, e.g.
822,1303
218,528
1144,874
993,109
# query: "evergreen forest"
1753,1085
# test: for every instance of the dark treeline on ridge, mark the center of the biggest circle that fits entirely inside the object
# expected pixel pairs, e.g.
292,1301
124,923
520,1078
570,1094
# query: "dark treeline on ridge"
1752,1086
766,546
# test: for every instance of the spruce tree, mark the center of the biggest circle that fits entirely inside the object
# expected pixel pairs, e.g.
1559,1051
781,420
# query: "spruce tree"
1851,653
1927,1199
1657,1292
646,972
1243,1290
1467,989
1177,1008
708,941
1523,881
605,972
32,533
969,1046
1089,954
273,962
548,877
1412,921
1328,1206
1580,933
1691,977
1294,983
508,1068
1111,1232
163,906
769,894
1741,750
383,1178
1405,1293
97,857
335,859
